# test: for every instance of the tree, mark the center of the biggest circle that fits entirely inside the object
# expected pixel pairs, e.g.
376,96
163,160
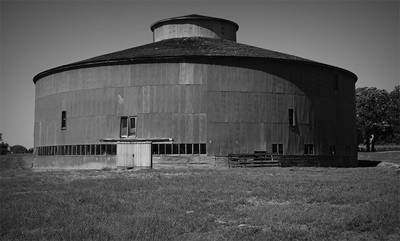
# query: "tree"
4,148
18,149
394,114
372,110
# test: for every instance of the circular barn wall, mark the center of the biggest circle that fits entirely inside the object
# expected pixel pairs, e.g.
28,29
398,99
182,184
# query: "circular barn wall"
232,105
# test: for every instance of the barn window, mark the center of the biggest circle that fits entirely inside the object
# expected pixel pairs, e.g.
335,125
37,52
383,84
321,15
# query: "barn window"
98,152
203,149
277,149
189,149
180,148
168,149
332,149
308,149
63,120
175,149
196,148
292,120
154,148
128,126
111,149
161,149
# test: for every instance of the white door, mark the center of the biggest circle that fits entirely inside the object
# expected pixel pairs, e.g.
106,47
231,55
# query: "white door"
134,155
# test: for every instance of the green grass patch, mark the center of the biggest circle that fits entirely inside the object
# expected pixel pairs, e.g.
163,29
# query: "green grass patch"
235,204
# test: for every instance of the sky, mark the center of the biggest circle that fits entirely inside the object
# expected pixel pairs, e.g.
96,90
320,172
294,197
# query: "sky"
359,36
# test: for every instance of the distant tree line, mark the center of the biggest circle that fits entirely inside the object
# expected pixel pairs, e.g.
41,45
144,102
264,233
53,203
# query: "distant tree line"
378,116
17,149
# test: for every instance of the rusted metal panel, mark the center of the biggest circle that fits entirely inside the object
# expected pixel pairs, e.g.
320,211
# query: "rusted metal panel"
203,99
257,102
211,145
211,98
243,135
223,80
234,134
175,95
198,74
186,73
189,99
129,100
195,136
210,78
233,106
182,128
244,80
223,136
161,73
168,125
224,104
195,98
175,127
263,116
173,70
182,99
147,100
189,128
203,128
249,78
244,107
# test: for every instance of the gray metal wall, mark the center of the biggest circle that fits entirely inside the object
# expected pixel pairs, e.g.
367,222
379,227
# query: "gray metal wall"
232,105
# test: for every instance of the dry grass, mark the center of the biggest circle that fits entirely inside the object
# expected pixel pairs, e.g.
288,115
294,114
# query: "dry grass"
238,204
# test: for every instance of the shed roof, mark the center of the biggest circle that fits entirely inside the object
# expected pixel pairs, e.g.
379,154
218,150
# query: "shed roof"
178,48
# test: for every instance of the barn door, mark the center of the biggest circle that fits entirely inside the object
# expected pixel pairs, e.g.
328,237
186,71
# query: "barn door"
134,155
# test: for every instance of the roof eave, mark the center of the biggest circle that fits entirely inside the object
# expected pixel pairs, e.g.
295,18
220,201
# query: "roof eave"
142,59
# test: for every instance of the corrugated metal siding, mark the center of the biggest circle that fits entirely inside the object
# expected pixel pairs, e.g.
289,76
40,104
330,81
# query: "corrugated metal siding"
258,102
233,106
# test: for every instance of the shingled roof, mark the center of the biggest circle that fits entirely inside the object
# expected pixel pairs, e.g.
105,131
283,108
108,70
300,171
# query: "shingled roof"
192,46
177,48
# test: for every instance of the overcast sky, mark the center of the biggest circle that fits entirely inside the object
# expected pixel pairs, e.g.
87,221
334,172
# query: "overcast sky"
360,36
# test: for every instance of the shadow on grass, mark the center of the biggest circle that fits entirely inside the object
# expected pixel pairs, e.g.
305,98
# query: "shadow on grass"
368,163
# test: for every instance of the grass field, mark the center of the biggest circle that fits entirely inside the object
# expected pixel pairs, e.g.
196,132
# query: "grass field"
234,204
390,156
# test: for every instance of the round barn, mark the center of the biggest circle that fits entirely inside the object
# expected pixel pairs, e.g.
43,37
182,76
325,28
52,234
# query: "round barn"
193,98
